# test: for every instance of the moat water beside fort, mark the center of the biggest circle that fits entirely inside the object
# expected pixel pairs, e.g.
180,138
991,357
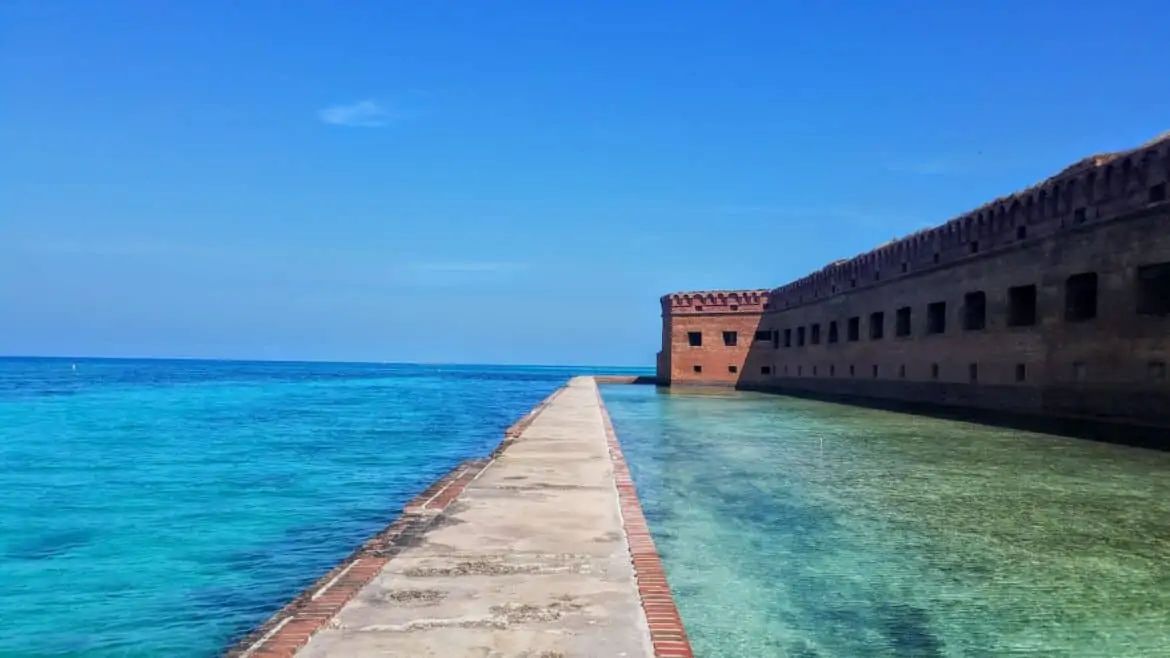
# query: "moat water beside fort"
801,528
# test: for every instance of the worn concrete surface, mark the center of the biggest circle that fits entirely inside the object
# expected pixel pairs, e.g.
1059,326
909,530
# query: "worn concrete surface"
530,562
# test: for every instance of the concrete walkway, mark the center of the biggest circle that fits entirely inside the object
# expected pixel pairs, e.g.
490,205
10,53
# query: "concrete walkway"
530,561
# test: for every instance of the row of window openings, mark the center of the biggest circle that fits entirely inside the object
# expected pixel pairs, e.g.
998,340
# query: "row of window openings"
1153,288
1155,369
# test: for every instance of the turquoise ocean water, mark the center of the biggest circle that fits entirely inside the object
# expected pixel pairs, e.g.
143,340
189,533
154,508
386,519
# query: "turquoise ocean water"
811,530
164,508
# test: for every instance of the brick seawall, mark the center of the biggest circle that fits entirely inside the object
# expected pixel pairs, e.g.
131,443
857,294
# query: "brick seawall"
540,549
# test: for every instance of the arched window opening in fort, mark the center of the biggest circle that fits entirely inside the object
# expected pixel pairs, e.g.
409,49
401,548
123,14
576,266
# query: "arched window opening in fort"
1107,188
902,371
733,369
875,372
730,338
765,370
936,318
1054,201
973,372
1153,283
877,325
1021,372
800,336
833,331
1126,175
695,338
905,267
975,311
936,258
934,371
697,368
853,330
1090,187
1041,204
763,336
1021,232
787,338
1156,371
902,322
1158,193
1021,306
815,334
1080,297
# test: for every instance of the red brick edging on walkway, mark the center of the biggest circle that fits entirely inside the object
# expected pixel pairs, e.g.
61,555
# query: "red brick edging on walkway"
291,627
666,627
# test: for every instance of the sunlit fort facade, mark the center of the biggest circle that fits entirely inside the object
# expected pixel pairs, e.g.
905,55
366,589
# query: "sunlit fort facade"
1051,302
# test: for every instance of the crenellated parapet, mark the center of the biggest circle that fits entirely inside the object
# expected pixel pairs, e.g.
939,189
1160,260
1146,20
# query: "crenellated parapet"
716,301
1096,189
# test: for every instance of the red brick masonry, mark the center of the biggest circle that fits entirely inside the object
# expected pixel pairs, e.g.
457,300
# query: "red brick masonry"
292,626
666,627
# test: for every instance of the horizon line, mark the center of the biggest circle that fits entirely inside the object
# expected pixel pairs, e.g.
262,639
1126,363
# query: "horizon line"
9,357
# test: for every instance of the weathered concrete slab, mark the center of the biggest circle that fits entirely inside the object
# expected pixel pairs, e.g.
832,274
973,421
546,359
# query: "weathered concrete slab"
531,561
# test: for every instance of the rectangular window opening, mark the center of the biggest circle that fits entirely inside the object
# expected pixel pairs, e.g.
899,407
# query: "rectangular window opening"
902,371
765,370
905,268
815,334
1021,232
733,369
902,322
695,338
853,330
1079,216
1158,193
875,372
974,246
734,307
975,311
1157,371
697,368
1021,372
814,371
973,372
934,371
764,335
1153,289
833,332
936,258
936,318
1022,306
730,338
1080,297
787,338
800,336
877,325
851,371
832,371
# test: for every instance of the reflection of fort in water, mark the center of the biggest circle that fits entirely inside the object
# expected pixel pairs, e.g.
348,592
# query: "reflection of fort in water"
1051,302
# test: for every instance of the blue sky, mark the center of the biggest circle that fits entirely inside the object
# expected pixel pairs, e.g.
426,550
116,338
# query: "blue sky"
509,182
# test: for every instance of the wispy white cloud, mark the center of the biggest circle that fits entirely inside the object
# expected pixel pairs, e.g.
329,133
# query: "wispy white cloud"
457,267
363,114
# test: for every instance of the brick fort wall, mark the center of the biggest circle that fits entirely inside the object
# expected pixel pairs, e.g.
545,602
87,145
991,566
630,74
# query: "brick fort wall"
1052,301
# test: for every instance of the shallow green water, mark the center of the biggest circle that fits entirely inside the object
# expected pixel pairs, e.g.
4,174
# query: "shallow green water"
798,528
